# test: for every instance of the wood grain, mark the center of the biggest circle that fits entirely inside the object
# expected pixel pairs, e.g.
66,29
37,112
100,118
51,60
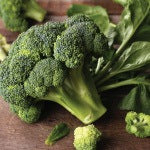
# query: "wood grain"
59,7
17,135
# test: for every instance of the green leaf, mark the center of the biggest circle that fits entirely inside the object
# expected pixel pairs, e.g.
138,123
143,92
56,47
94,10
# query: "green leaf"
133,58
99,15
134,13
137,100
143,32
58,132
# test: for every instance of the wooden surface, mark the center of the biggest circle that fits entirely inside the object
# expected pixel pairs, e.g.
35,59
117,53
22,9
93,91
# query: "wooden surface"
17,135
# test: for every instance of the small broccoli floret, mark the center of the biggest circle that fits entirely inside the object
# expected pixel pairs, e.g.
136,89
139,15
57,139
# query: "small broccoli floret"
86,138
38,39
138,124
15,12
30,114
100,45
4,47
46,73
49,62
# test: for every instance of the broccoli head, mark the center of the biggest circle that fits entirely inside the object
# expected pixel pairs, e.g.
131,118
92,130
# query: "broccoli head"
15,13
49,62
86,138
138,124
30,114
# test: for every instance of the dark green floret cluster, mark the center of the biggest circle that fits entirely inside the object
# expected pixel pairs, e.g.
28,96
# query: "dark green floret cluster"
50,62
30,114
14,13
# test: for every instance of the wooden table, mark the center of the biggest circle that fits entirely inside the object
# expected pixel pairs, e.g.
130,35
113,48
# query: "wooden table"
17,135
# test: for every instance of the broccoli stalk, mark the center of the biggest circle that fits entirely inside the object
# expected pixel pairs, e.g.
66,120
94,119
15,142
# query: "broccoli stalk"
34,11
79,96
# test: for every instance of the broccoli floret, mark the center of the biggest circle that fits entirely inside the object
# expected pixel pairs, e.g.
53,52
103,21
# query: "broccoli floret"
86,37
77,19
48,62
15,13
86,138
38,39
138,124
4,47
30,114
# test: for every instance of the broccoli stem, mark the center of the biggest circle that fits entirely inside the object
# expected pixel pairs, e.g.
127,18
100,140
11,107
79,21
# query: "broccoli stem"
34,11
79,96
132,81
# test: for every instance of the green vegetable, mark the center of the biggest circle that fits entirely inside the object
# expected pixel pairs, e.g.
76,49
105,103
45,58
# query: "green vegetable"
126,65
142,33
58,132
4,47
130,57
50,62
86,138
138,98
128,25
30,114
15,13
99,15
138,124
133,58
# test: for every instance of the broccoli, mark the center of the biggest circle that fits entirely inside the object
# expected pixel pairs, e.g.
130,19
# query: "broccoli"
4,47
138,124
49,62
86,138
14,13
30,114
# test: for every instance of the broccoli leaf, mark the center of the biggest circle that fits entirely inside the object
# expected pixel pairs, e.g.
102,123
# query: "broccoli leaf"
128,24
134,13
99,15
134,57
137,100
58,132
143,32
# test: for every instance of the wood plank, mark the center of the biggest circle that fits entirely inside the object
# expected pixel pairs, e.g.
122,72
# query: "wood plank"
59,7
17,135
